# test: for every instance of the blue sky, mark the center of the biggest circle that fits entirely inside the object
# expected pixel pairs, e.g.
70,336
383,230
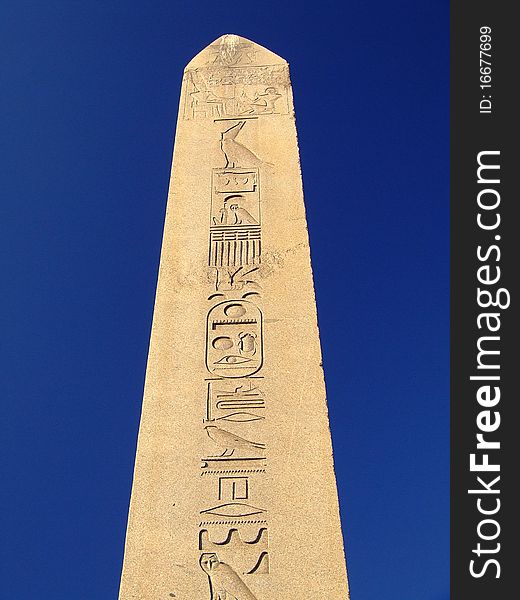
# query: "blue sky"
89,98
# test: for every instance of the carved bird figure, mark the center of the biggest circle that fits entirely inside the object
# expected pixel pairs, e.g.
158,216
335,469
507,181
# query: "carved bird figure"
230,441
224,582
237,155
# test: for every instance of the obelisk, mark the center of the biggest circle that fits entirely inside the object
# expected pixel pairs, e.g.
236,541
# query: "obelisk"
234,494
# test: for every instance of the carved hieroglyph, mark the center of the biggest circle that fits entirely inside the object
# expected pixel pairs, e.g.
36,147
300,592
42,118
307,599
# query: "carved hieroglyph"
234,494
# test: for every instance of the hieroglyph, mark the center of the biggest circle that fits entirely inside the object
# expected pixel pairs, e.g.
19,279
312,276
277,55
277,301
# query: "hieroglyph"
234,360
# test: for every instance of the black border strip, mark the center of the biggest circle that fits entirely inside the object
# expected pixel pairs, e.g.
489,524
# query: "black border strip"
474,132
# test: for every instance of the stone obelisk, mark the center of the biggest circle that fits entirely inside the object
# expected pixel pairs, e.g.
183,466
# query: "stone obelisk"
234,494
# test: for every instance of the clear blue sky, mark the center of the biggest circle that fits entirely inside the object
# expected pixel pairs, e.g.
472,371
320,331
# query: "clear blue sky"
88,103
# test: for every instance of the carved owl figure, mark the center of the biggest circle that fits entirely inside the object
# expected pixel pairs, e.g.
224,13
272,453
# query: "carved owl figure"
224,583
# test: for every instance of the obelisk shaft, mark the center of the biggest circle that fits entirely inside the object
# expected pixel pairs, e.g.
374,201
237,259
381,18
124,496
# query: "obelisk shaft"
234,493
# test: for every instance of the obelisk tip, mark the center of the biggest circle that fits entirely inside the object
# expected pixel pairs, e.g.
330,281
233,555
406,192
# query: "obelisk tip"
232,50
